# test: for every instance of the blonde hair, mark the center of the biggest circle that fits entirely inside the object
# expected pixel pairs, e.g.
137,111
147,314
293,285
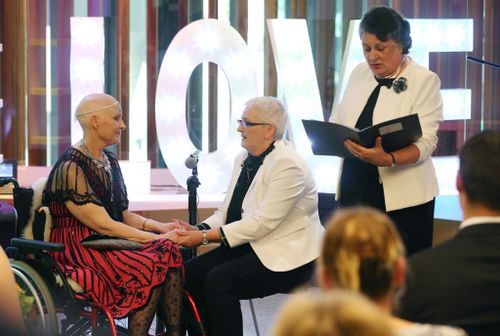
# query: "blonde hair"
360,250
335,313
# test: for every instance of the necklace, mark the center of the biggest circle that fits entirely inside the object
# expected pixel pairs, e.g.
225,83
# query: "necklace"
99,163
398,70
398,85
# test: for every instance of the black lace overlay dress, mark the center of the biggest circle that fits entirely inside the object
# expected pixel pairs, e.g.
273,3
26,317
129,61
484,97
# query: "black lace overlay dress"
120,280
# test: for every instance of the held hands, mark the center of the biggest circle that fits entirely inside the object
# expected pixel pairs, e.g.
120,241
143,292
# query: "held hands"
184,225
181,233
176,224
375,155
167,227
191,238
171,230
172,235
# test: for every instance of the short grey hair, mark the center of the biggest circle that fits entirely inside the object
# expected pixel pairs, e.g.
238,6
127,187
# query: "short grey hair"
271,110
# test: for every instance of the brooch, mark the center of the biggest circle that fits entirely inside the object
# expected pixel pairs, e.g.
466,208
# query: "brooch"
399,85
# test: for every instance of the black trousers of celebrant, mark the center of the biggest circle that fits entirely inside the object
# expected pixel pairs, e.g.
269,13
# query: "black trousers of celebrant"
360,184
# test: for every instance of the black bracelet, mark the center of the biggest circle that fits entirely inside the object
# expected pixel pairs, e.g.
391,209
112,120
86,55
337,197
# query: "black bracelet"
202,226
223,237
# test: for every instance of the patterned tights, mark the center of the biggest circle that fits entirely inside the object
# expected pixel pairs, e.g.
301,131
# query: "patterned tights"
169,307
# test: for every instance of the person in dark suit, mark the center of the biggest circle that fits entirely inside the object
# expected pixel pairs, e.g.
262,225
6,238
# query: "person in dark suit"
458,281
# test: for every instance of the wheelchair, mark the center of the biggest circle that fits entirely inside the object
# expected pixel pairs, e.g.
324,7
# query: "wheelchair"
53,304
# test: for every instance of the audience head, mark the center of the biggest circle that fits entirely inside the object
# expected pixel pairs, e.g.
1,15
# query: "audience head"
387,24
334,313
479,174
362,251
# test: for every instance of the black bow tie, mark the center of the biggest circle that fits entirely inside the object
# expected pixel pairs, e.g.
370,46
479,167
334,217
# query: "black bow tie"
387,82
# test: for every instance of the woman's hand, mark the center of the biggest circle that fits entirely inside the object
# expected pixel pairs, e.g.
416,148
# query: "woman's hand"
185,225
375,155
189,238
172,235
167,227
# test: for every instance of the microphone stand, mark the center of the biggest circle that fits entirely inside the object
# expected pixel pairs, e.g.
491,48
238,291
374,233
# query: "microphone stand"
481,61
192,185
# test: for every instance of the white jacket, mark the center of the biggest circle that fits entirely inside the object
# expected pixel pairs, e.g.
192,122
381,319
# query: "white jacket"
409,184
279,212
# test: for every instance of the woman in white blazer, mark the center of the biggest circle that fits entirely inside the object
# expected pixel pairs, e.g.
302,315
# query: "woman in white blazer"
268,224
391,85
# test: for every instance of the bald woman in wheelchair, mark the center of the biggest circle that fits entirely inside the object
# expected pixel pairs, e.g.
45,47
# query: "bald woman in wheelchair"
86,194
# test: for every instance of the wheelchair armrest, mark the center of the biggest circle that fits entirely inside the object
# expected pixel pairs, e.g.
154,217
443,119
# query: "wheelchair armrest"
36,245
7,180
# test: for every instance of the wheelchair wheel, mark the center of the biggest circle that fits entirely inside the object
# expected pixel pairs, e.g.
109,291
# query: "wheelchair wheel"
38,307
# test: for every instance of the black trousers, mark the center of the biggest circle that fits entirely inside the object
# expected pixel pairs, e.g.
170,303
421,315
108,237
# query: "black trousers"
415,225
220,278
360,185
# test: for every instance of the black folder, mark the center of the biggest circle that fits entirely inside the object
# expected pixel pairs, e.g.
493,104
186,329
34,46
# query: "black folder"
328,138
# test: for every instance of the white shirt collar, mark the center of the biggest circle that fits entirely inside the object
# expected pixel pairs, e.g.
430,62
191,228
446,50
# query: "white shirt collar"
480,220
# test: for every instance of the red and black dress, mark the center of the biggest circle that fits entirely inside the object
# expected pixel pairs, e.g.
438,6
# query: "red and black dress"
120,280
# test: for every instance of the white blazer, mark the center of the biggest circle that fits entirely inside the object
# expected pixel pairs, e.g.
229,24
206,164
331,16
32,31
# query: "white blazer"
279,212
408,184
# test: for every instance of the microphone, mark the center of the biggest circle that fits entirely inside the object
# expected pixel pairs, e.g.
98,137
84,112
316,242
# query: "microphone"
481,61
192,160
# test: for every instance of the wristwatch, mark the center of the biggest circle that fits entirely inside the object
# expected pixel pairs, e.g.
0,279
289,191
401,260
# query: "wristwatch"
204,237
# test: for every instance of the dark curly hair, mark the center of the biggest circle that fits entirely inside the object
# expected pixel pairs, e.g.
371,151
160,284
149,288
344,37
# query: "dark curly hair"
386,23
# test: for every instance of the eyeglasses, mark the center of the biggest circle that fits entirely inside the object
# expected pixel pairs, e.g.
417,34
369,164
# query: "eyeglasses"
245,123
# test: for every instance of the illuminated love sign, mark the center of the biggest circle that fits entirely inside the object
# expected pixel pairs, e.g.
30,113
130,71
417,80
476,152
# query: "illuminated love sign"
297,79
203,40
209,40
86,63
1,100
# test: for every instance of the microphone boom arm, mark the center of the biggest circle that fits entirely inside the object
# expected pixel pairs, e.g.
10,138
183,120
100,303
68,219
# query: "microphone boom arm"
481,61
